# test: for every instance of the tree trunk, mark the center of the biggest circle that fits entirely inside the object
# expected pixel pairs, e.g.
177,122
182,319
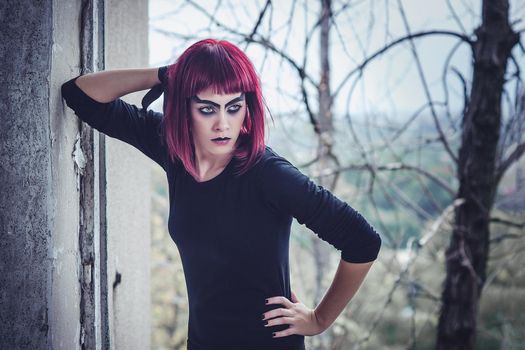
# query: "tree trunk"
324,123
466,256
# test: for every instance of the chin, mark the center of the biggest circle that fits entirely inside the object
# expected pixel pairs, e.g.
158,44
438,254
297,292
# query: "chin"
221,150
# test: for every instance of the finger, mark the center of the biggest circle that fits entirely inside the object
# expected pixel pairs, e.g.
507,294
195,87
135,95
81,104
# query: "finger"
280,300
278,312
285,333
280,320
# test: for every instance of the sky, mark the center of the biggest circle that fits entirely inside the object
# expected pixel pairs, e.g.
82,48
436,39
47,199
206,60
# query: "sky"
390,85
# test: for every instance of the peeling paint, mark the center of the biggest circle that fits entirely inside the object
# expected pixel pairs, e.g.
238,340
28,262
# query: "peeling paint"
57,48
78,155
79,160
87,274
82,335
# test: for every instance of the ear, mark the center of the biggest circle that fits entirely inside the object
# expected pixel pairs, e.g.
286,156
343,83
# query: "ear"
247,123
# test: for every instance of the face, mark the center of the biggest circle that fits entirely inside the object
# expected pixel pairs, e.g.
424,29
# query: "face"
214,116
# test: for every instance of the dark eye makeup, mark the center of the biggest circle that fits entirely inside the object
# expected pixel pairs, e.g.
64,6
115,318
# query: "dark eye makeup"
207,110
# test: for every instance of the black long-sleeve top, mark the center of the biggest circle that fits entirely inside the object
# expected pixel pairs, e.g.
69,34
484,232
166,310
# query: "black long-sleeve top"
233,233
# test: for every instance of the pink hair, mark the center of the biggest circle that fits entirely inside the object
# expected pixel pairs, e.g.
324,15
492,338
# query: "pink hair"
224,68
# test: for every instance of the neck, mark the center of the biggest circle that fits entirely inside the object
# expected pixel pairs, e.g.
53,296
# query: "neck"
209,163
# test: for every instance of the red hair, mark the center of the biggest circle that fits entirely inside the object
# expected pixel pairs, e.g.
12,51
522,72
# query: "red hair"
223,67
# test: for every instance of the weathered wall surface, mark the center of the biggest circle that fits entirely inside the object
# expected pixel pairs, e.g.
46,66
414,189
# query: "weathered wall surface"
40,263
128,188
26,174
63,259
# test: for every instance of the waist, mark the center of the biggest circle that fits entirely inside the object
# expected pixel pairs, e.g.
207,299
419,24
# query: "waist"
291,342
233,319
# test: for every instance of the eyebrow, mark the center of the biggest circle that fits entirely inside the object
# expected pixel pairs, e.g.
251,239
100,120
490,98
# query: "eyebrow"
198,100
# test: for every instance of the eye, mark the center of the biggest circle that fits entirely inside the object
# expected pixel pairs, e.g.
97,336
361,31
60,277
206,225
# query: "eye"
235,108
206,110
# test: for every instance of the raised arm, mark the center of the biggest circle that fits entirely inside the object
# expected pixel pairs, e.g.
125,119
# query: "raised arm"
95,99
109,85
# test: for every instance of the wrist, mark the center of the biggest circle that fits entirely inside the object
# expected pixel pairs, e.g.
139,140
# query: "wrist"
161,74
322,322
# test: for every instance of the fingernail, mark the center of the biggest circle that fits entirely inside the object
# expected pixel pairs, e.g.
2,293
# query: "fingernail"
265,323
273,334
266,301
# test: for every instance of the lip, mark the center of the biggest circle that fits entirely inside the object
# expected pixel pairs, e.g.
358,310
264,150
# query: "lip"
221,142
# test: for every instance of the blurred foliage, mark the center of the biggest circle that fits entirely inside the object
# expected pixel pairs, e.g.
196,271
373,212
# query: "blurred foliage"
397,305
169,296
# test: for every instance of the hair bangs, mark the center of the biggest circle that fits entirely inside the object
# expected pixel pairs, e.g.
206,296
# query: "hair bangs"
215,69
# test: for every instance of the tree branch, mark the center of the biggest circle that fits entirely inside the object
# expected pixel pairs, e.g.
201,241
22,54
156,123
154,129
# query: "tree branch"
395,43
513,157
388,167
444,140
507,222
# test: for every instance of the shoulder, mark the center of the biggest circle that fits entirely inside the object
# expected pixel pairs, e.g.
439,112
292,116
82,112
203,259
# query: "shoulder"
273,169
270,160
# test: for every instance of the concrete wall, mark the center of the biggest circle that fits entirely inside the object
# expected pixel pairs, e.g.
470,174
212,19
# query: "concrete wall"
26,174
128,187
64,206
43,273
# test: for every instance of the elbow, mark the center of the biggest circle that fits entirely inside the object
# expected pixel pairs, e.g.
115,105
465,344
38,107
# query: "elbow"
367,251
378,243
375,246
65,90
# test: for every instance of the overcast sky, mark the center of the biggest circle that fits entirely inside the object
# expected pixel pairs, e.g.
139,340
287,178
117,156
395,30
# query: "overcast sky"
391,85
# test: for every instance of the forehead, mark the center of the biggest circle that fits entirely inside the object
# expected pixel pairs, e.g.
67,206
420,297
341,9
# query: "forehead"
209,94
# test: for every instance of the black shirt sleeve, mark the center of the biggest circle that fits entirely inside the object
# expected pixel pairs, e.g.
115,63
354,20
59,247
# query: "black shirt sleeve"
288,191
120,120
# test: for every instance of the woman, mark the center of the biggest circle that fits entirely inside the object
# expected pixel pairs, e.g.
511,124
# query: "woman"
232,198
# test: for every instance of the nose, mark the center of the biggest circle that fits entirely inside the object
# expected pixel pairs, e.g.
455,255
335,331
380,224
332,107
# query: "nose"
222,123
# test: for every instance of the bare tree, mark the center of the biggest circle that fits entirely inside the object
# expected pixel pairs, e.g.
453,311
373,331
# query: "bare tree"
478,172
478,166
